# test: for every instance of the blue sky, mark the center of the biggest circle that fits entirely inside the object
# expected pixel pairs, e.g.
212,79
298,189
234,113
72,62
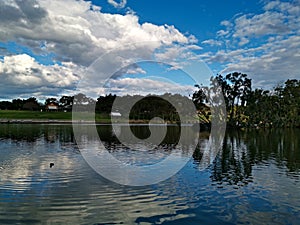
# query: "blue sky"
47,47
201,18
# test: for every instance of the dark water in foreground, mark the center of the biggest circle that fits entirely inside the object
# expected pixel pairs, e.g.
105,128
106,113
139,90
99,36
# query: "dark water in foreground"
255,180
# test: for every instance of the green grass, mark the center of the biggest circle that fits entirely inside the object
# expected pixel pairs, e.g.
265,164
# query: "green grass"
15,114
63,116
37,115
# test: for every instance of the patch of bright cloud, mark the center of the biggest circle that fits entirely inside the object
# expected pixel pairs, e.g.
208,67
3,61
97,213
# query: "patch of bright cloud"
21,75
74,32
145,86
120,4
212,42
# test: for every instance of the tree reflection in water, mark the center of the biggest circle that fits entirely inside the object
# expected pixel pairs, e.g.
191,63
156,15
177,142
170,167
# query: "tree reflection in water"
244,149
234,164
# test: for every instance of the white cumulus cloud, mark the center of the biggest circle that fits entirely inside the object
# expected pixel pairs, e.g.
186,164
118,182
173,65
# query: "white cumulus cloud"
75,33
265,46
21,75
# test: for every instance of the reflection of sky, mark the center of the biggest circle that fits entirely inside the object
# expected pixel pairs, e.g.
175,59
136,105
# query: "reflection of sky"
272,198
27,179
71,192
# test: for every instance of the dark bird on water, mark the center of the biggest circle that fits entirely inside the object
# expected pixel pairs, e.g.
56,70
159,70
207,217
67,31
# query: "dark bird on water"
51,165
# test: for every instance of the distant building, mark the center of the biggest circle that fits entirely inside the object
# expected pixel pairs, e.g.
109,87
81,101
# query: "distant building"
52,107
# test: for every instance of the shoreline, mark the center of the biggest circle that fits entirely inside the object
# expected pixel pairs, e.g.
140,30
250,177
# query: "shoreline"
47,121
83,122
57,121
42,121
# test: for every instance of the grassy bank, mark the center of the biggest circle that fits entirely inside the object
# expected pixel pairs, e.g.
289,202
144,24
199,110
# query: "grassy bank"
19,116
37,115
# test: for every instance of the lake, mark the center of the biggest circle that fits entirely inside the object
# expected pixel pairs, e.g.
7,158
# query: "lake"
254,180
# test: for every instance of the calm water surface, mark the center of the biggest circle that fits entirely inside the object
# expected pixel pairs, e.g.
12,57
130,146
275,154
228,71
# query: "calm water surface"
255,180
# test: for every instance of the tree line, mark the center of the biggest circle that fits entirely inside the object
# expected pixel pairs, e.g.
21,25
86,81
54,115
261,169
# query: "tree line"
246,107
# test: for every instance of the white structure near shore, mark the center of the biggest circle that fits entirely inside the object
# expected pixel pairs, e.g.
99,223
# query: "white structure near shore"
115,114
